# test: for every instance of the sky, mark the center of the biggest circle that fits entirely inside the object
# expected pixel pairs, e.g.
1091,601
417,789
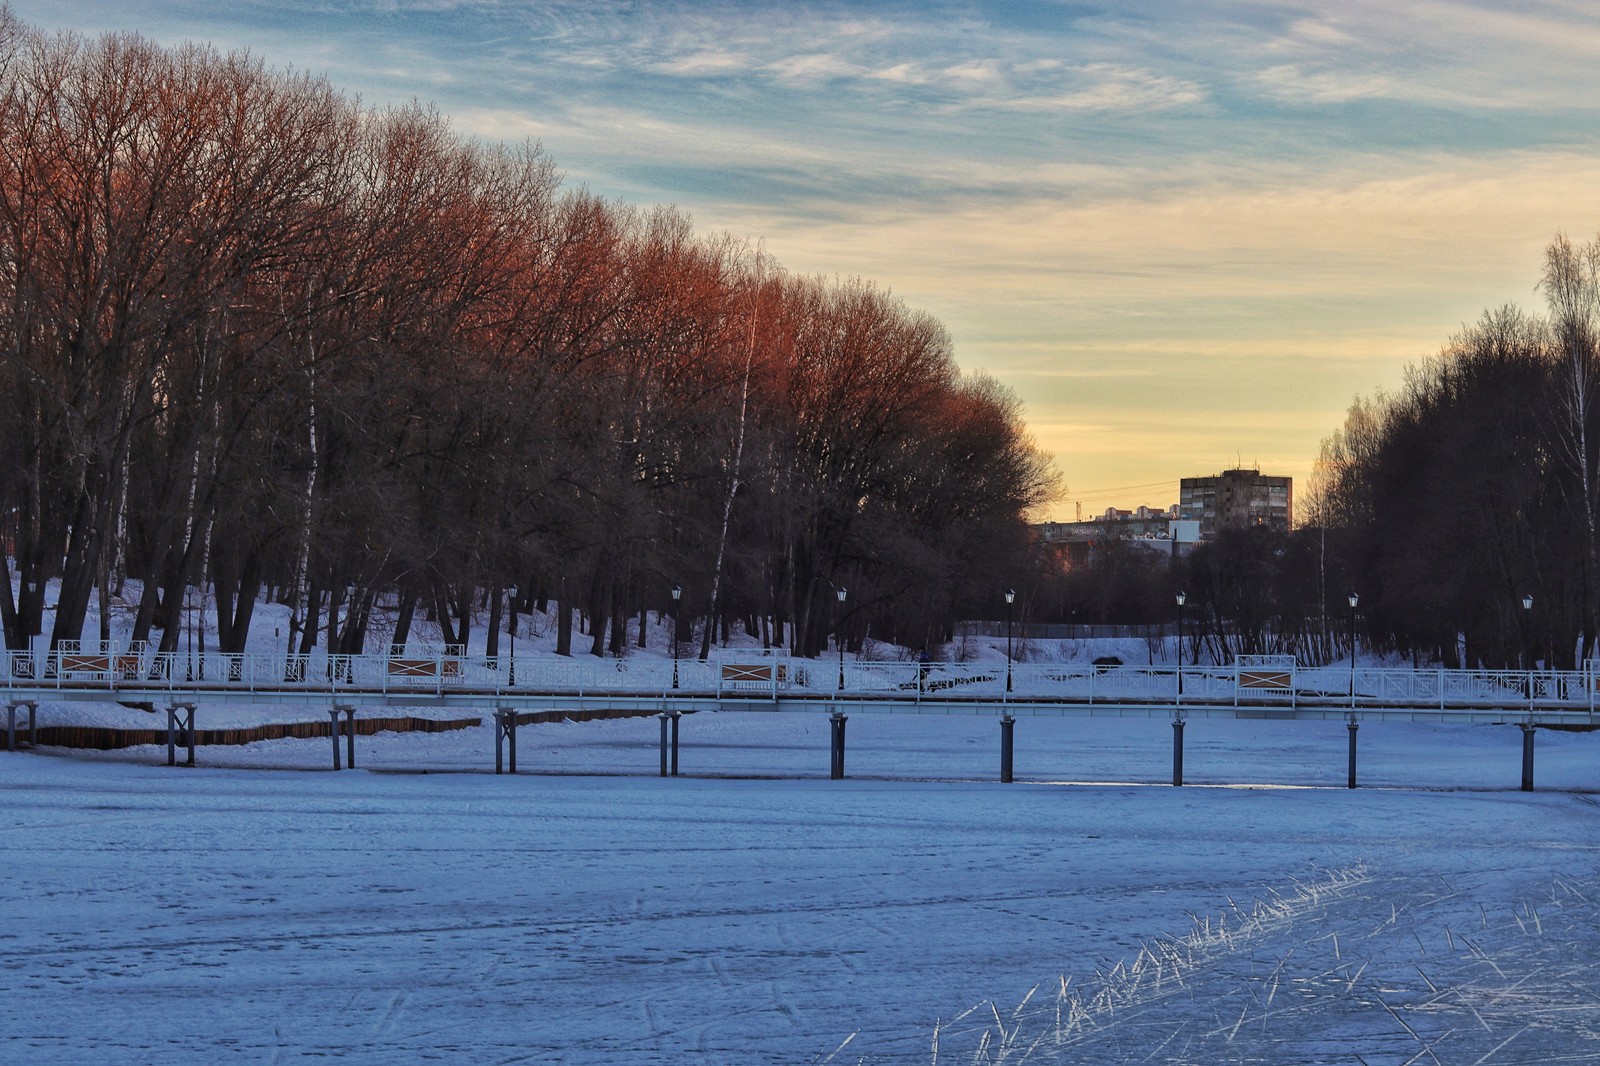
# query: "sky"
1186,234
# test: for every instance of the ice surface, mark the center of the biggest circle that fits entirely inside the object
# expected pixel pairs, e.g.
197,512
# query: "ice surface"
260,908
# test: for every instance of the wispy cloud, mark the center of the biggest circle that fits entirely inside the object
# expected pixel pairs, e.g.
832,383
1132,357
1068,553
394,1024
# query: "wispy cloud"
705,63
1105,87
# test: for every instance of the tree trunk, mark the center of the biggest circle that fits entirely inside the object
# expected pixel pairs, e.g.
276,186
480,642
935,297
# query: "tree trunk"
563,628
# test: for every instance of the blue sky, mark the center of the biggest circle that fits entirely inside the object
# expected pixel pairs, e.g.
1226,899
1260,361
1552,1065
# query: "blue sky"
1187,234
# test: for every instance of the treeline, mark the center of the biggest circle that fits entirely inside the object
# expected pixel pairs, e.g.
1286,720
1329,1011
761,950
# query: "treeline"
1246,592
1467,502
262,340
1462,511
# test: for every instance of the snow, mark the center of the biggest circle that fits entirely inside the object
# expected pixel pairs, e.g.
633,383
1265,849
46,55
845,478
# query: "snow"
421,908
262,908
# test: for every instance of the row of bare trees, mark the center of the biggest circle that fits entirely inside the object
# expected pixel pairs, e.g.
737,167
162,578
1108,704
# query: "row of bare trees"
260,340
1466,503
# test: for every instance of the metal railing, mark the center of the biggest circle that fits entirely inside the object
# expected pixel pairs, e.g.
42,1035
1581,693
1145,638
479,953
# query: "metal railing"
85,666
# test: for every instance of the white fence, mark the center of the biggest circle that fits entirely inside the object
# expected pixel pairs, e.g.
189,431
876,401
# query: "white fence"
1249,683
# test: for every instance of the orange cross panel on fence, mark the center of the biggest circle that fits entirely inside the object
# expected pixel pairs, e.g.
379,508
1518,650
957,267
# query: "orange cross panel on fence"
415,667
1274,680
757,672
97,664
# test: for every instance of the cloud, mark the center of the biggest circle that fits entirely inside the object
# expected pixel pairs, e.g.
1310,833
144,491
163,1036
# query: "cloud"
1292,83
1105,87
812,68
705,63
1474,56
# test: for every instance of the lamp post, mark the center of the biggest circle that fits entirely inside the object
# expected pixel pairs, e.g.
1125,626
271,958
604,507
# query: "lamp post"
511,674
188,603
677,594
1527,613
346,666
1011,596
1181,598
1355,598
200,614
838,632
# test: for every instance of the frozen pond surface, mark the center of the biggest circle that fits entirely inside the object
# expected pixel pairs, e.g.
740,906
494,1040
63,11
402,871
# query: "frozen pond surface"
259,908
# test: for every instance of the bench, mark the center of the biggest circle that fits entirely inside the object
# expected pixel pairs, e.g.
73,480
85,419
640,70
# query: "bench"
1266,680
760,676
79,663
424,667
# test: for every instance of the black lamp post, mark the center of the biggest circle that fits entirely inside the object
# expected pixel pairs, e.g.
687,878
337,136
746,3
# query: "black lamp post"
1182,598
1527,613
188,603
677,594
838,633
511,674
1355,598
346,667
1011,596
200,614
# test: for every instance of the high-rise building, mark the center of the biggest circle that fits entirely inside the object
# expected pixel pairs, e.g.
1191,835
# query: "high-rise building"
1237,499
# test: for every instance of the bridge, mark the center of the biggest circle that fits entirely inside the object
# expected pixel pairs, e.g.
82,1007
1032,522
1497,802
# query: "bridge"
1261,687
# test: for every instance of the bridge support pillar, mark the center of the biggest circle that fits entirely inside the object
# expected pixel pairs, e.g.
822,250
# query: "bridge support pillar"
665,718
1007,725
836,722
180,732
505,736
349,733
1177,750
1353,725
333,734
676,716
1527,756
11,723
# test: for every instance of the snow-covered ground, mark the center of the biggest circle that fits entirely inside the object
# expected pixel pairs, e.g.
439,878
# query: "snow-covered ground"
588,911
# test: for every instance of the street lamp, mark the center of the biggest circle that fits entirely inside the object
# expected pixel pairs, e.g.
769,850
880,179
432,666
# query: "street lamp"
1182,598
838,633
1527,611
677,594
1011,596
346,639
188,603
511,675
1355,598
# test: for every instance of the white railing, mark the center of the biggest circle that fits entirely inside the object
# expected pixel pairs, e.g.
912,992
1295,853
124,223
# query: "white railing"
86,665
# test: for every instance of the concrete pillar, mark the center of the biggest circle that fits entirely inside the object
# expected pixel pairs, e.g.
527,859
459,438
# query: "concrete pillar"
665,717
11,723
180,731
505,735
676,715
1353,725
836,723
349,734
1007,725
1177,750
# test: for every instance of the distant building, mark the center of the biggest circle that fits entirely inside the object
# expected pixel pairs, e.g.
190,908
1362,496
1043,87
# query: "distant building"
1147,528
1237,499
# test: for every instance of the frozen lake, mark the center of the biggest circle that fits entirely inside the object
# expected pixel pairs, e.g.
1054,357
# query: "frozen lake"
260,908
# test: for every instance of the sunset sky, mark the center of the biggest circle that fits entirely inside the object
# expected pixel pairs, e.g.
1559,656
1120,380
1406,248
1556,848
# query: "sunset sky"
1187,234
